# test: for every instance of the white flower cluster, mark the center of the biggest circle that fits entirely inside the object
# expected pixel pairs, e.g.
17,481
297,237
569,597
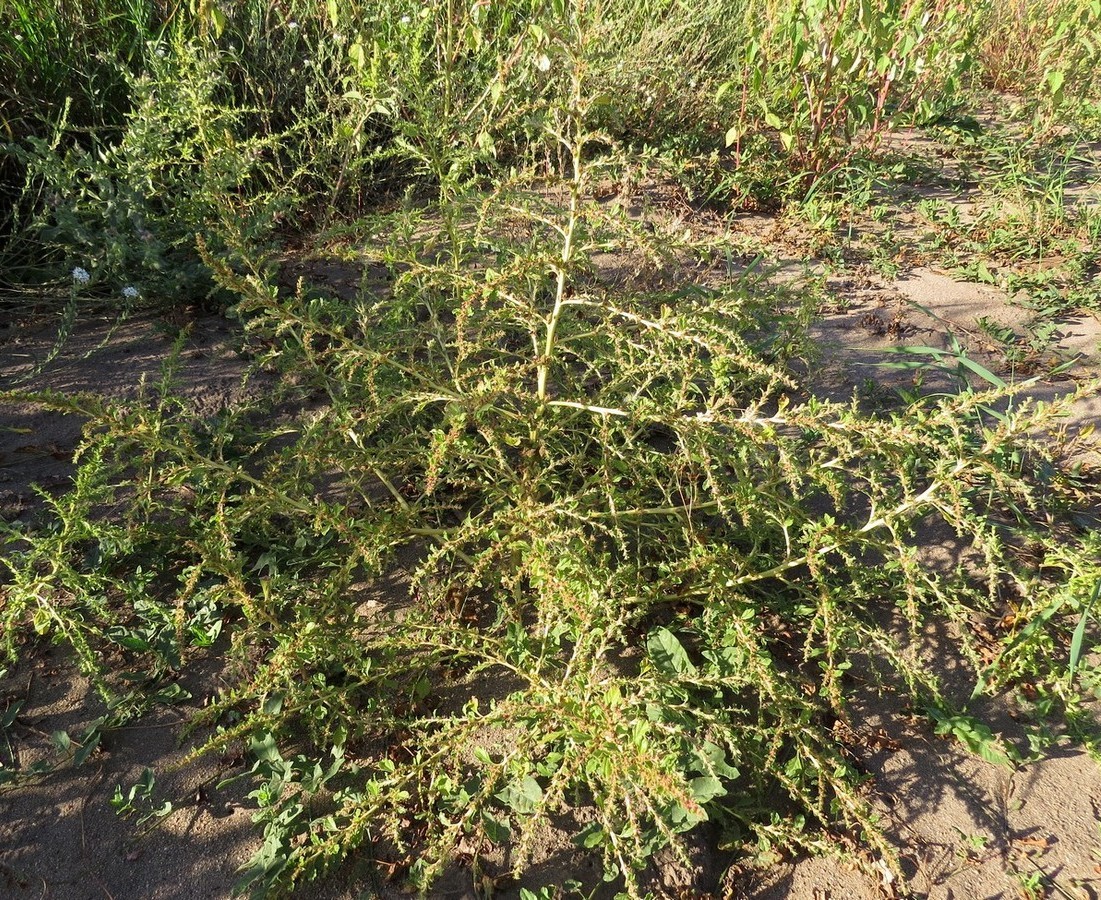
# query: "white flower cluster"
130,292
81,276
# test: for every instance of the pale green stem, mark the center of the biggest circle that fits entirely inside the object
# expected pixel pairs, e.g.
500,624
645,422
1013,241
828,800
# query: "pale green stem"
871,525
575,146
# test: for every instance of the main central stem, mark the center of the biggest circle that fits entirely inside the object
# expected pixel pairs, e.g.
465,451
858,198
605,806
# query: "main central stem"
574,144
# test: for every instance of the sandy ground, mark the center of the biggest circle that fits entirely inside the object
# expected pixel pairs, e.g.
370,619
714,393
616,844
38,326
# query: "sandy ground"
966,829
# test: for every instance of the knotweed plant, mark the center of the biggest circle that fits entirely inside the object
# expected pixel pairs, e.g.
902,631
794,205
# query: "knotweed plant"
1045,52
822,79
517,542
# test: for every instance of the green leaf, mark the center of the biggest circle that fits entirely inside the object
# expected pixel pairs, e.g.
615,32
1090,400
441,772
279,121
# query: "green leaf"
497,830
669,657
589,837
10,714
358,55
172,693
217,21
713,758
977,737
264,748
522,795
706,788
1080,632
273,705
982,270
42,621
931,351
88,744
981,371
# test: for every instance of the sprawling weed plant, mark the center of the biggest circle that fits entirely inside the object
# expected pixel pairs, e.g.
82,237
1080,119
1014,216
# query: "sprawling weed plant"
518,538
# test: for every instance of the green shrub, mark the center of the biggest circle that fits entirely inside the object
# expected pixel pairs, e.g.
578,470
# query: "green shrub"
820,79
1047,52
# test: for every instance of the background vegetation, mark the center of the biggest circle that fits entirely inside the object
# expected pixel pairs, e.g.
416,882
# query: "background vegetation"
639,559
